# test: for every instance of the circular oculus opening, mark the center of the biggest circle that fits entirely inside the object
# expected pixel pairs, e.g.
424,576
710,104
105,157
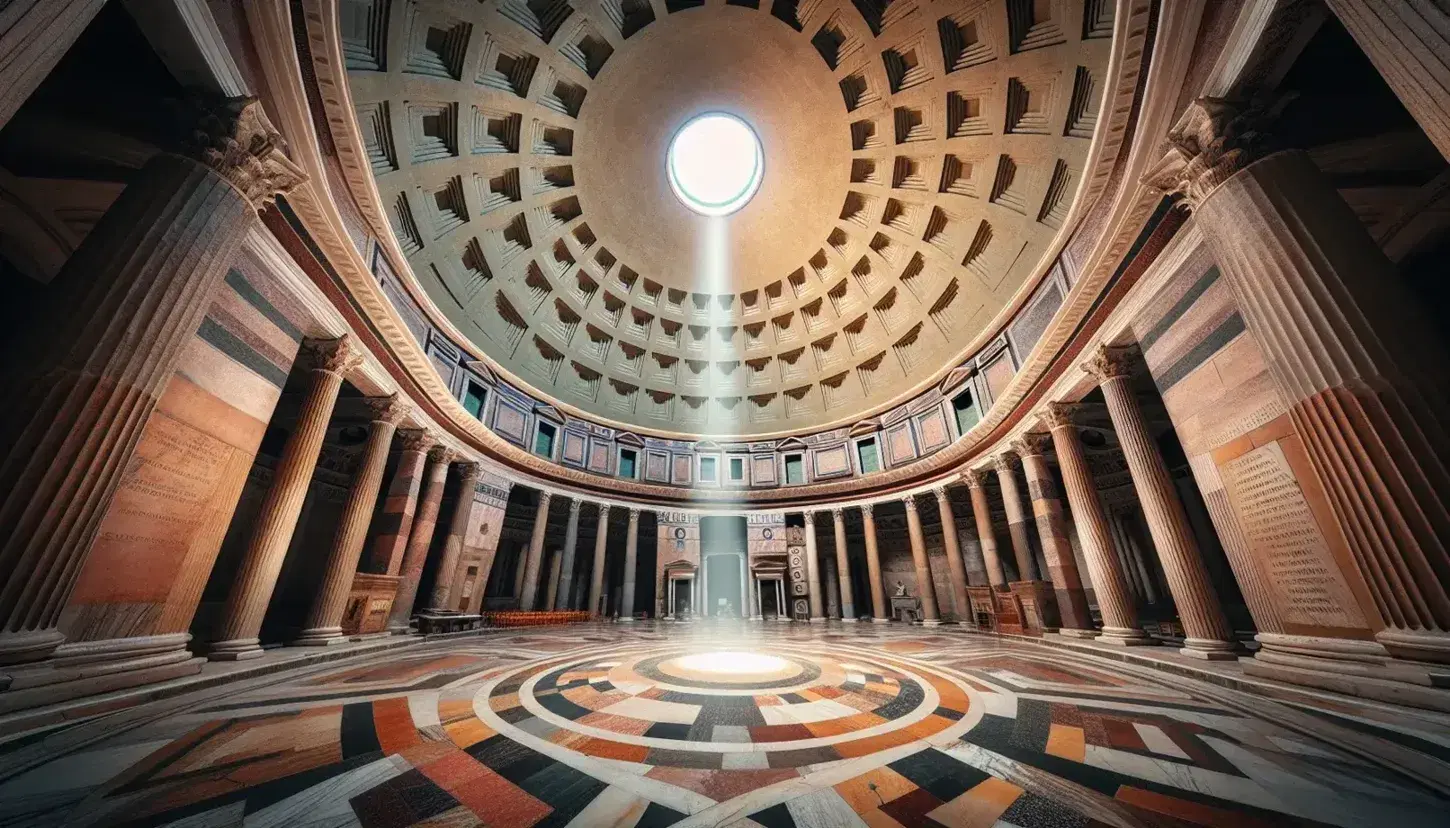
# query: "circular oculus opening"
715,164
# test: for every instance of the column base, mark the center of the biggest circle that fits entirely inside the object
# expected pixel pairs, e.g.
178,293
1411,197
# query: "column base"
1074,632
29,646
849,620
1121,637
756,618
880,620
237,649
931,622
87,668
820,620
1355,673
626,619
320,637
1210,650
1416,645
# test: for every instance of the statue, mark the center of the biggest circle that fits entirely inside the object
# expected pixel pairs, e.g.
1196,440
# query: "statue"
900,590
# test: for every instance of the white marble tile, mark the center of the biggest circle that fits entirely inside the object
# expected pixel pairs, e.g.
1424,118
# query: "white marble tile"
807,712
614,807
227,816
1157,741
326,804
424,708
745,761
823,809
654,710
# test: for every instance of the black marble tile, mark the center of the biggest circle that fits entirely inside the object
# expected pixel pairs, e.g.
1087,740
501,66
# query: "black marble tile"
560,706
509,759
604,686
910,698
696,759
731,710
776,816
658,816
357,732
948,713
567,790
668,730
1033,811
943,776
792,698
424,798
514,715
1034,723
802,757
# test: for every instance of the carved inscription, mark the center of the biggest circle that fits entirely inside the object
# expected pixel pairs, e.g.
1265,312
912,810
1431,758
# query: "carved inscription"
1282,534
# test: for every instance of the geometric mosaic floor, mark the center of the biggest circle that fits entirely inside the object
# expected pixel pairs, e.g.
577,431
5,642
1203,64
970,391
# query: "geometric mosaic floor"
731,724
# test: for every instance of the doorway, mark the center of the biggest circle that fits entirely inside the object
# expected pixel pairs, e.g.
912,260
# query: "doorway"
722,549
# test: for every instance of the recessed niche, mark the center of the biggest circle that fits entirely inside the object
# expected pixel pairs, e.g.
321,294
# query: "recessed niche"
965,116
507,70
495,131
964,41
542,18
911,125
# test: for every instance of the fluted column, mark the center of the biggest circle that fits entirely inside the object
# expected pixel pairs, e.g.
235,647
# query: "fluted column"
956,567
1017,527
631,556
813,571
324,621
34,36
1120,615
1366,379
421,539
1408,41
1209,635
873,567
930,615
255,580
1052,532
534,563
453,544
84,373
982,513
843,566
596,575
571,541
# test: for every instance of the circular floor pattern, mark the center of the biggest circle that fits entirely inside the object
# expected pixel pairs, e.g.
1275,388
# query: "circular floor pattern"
765,708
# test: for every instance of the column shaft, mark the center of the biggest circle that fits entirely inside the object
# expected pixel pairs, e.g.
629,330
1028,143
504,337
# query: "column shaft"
1016,520
421,539
324,621
85,375
1408,41
551,583
534,563
1208,631
873,568
400,505
255,580
34,36
453,544
631,554
571,542
843,566
1120,614
1052,532
596,575
956,566
1362,372
930,615
982,513
813,570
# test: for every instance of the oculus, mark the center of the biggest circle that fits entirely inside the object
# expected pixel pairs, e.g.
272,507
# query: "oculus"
715,164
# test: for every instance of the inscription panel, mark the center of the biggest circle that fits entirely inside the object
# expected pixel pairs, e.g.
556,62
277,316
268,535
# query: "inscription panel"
1283,535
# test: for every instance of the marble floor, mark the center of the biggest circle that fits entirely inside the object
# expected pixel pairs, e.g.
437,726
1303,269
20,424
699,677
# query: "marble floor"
718,724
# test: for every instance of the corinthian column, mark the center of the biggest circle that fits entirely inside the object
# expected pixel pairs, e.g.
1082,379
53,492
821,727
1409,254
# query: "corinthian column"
843,566
977,485
276,522
1352,353
85,371
930,616
1120,614
534,563
631,557
453,544
324,622
961,608
1077,622
571,540
1209,635
596,575
873,567
1016,518
421,539
813,570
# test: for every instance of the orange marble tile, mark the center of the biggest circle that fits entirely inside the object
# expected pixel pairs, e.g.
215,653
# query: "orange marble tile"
606,749
980,807
468,732
1066,742
858,793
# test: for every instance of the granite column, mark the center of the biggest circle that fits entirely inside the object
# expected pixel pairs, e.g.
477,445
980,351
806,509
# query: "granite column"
631,563
534,563
1208,632
252,587
813,571
453,544
421,539
324,621
1016,518
571,542
956,566
873,567
596,575
930,615
843,566
982,513
1072,604
1120,614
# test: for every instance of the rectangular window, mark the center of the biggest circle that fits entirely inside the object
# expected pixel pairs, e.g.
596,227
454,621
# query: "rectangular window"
627,459
795,469
473,398
544,440
965,409
707,470
737,469
868,455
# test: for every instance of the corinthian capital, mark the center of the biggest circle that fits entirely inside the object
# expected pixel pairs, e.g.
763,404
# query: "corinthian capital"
976,478
234,138
1056,415
1110,363
1032,444
1214,139
390,409
335,356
